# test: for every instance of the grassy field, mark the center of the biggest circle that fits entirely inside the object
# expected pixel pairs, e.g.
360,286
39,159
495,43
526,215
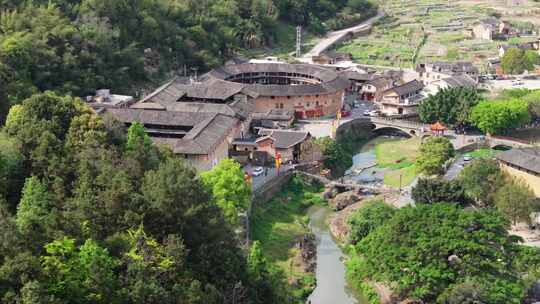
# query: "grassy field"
280,223
408,174
393,154
482,153
399,158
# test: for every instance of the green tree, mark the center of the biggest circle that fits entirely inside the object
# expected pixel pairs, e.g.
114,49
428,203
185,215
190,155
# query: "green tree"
367,219
178,203
516,61
336,157
480,180
230,190
449,106
473,291
432,190
515,200
36,212
426,249
493,117
433,154
137,139
84,274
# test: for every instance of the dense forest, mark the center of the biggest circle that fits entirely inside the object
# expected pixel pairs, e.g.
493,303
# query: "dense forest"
77,46
90,213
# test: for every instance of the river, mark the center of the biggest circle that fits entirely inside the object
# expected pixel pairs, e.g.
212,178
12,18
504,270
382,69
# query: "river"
331,284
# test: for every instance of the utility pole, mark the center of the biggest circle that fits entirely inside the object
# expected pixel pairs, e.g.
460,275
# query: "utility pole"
298,41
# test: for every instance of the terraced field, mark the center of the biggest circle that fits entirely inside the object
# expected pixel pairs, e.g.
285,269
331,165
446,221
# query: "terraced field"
427,30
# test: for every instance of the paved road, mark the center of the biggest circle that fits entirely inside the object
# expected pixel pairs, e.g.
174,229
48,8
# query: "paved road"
258,181
507,84
455,168
332,37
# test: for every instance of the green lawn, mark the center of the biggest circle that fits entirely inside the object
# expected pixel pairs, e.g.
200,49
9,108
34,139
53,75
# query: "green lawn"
279,223
399,158
397,154
482,153
408,174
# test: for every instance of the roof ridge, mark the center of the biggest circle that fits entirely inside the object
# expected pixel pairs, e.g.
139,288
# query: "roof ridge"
159,90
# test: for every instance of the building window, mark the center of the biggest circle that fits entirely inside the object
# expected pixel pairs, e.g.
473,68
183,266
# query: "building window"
281,105
317,103
308,104
277,105
272,97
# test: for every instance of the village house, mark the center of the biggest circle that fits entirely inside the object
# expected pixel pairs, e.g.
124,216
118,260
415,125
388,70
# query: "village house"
104,99
490,28
202,139
372,90
460,81
494,66
357,79
289,144
525,46
429,72
524,164
331,58
402,100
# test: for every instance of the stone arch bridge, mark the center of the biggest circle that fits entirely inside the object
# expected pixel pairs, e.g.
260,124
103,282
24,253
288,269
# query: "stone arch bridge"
381,124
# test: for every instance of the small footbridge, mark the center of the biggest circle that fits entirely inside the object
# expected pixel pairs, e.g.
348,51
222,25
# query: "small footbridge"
345,186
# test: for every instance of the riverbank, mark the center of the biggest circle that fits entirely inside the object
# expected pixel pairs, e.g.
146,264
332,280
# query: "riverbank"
280,225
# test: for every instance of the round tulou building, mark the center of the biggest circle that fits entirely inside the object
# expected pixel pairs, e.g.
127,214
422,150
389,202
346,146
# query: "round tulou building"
303,90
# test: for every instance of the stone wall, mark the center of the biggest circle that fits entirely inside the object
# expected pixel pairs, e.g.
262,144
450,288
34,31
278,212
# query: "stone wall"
356,129
330,103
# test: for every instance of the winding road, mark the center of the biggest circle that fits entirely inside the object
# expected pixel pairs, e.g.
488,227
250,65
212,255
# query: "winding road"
337,36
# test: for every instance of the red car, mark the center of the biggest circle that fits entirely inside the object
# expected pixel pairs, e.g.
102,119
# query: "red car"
345,113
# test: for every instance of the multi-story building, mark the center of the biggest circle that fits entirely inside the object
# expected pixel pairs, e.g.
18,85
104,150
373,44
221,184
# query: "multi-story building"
403,99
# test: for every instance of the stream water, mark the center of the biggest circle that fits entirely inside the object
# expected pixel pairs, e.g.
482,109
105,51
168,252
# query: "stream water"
331,284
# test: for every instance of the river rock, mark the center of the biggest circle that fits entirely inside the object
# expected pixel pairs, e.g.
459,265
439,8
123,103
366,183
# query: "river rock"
329,193
344,200
533,294
308,250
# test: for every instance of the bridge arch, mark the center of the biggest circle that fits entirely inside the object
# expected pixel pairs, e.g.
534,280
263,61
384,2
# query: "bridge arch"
501,147
387,130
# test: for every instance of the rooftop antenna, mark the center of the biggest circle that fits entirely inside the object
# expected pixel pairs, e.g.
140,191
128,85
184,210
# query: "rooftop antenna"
298,41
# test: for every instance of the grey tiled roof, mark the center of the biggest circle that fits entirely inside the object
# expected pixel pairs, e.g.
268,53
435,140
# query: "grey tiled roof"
214,85
526,158
207,129
406,88
284,139
460,81
353,75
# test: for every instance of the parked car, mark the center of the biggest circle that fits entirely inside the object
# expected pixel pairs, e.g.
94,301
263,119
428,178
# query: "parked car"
467,158
366,112
374,113
517,82
345,113
257,171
